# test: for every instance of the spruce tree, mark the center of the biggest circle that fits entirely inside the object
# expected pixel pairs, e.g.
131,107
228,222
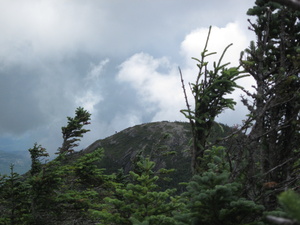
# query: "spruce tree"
15,205
139,201
37,153
3,218
273,62
86,170
45,185
74,130
210,99
212,199
290,202
82,188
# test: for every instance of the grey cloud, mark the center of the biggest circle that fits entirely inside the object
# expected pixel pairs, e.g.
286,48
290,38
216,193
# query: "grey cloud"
50,50
19,106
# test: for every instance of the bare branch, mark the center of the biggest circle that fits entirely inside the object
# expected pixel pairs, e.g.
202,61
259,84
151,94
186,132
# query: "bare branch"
185,96
280,165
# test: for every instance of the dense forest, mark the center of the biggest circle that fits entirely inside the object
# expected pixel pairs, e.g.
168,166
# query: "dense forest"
249,174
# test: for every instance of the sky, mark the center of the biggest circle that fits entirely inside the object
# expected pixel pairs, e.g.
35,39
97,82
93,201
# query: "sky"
117,59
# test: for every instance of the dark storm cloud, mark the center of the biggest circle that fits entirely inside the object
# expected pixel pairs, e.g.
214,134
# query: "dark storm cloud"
57,55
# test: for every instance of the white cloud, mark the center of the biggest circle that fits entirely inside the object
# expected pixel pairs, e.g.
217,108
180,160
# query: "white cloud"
156,81
88,100
96,70
220,38
90,94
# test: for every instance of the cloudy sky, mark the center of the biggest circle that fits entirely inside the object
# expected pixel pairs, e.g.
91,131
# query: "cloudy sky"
118,59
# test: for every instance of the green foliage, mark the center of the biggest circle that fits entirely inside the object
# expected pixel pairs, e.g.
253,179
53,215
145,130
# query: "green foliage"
61,192
86,170
14,204
74,130
212,199
139,201
37,153
209,92
44,190
290,201
216,159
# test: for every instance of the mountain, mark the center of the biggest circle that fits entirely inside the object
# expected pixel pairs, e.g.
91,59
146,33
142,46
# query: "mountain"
72,187
166,143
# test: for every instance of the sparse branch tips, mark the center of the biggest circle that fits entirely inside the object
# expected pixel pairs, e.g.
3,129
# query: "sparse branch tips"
209,93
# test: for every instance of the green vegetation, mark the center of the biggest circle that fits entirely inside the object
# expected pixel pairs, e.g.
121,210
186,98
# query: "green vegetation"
212,199
233,179
74,130
209,92
139,201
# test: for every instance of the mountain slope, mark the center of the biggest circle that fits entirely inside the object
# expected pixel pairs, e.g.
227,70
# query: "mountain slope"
166,143
155,140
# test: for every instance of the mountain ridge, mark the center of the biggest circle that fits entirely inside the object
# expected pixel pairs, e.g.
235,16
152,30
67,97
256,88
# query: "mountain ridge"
166,143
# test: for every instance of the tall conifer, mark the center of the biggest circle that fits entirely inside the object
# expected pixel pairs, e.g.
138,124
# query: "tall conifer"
273,62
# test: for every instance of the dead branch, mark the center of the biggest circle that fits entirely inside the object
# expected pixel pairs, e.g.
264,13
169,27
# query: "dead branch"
186,99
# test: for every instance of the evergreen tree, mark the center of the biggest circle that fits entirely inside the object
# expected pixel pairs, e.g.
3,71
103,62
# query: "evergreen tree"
294,4
87,171
74,130
64,191
15,206
290,202
139,201
3,218
212,199
45,185
44,181
37,153
273,61
209,93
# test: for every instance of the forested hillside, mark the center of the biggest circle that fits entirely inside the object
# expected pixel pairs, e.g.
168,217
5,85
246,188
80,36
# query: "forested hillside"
168,144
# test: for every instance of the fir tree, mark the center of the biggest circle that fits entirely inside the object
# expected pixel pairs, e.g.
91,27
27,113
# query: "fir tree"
82,188
209,93
45,185
15,205
74,130
37,153
139,201
290,203
86,170
212,199
273,61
